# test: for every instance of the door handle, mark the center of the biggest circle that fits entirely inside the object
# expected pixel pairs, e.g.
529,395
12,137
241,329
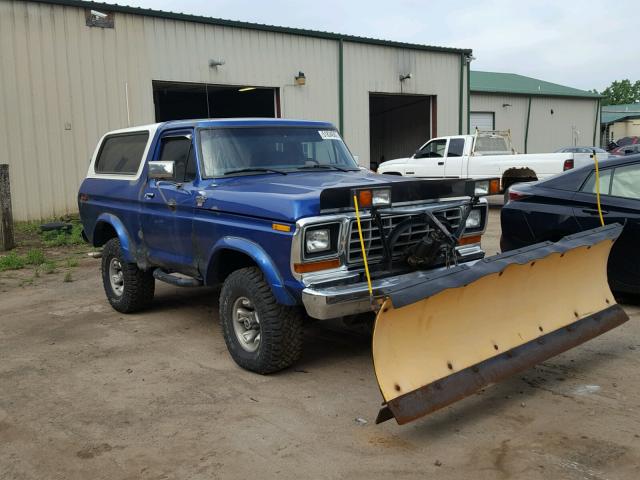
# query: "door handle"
440,163
149,195
410,173
594,211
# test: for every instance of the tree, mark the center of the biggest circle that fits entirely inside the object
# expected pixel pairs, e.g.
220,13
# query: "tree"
620,92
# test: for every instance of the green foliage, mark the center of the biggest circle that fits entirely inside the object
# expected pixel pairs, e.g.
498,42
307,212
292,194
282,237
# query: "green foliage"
72,262
59,238
11,261
35,257
67,277
621,92
49,267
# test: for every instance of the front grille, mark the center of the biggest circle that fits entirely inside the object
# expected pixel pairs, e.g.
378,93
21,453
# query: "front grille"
373,243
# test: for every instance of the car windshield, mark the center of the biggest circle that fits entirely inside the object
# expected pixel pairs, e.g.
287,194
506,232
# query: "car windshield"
253,150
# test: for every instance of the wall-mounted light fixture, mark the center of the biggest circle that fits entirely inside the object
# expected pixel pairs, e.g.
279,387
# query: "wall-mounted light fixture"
504,105
405,76
246,89
469,58
552,111
216,62
300,79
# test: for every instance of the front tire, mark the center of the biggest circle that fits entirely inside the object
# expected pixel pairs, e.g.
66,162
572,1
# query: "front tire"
261,335
128,288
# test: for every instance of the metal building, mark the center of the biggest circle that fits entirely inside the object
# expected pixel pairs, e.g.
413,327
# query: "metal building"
619,121
72,70
542,116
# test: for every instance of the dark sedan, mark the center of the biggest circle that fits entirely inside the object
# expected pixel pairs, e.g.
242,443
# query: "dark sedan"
566,204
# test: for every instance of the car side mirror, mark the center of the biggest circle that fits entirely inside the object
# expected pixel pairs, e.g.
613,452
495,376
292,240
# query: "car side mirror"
628,152
162,170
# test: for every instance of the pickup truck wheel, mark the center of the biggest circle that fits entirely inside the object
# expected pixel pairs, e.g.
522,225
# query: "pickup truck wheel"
128,288
262,336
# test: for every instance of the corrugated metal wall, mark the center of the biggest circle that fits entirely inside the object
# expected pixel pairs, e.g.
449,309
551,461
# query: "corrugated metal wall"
571,118
376,69
547,131
62,85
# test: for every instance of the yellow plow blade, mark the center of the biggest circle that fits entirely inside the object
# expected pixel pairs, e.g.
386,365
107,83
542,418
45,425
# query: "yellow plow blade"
442,339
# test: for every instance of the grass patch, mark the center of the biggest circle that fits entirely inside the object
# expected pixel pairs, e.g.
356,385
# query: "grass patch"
11,261
67,277
59,238
49,267
35,256
72,262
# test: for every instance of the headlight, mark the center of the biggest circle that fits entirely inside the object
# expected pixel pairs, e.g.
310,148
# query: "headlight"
318,240
381,197
474,220
482,188
490,186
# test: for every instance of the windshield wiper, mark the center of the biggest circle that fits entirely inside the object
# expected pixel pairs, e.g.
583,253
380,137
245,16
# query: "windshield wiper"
255,169
326,167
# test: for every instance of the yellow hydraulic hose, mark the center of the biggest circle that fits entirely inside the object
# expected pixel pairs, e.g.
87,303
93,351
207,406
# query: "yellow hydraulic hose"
595,160
364,254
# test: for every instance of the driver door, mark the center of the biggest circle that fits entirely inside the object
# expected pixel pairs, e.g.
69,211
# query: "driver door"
168,206
429,161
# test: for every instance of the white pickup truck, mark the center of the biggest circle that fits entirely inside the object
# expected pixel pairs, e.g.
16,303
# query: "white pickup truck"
486,154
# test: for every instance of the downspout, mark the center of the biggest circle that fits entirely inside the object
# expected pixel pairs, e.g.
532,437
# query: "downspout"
597,123
469,97
526,131
461,93
341,87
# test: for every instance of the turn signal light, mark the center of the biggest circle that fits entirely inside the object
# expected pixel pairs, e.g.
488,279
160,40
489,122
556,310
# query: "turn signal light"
316,266
494,186
365,198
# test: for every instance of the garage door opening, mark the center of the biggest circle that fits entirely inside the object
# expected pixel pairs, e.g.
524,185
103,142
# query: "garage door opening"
398,125
178,101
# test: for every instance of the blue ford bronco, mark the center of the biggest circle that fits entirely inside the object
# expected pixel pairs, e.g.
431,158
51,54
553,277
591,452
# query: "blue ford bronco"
269,209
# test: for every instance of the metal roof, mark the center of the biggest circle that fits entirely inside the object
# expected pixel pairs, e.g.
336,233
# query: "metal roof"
113,7
615,113
512,83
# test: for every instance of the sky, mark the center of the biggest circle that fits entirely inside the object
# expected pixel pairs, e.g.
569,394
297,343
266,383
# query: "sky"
582,44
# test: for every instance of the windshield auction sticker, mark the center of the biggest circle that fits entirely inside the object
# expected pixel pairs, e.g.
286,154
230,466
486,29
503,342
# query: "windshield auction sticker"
329,135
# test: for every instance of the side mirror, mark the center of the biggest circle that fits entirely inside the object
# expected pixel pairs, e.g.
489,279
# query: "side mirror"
628,152
162,170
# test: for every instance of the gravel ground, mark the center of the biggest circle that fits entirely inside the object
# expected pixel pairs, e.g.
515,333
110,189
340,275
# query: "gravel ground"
87,393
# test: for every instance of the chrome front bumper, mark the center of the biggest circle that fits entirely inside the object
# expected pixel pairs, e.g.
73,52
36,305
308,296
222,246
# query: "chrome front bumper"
324,302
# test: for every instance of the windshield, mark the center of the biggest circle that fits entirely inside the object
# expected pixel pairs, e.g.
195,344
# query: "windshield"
259,149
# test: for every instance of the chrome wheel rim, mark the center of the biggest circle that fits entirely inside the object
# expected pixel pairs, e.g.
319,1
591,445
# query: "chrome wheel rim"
116,277
246,324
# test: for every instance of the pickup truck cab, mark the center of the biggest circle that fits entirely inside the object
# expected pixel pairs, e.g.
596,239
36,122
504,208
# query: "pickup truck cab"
482,155
266,208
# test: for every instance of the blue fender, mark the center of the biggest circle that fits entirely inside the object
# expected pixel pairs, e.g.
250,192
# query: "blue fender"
123,235
262,259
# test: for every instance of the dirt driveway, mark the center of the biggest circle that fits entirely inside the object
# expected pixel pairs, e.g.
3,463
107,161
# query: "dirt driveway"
87,393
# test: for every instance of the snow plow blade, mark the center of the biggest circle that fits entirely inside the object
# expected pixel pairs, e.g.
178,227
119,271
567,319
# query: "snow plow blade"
442,339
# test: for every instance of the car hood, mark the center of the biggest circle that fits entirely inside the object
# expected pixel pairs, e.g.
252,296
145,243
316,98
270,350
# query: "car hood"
284,198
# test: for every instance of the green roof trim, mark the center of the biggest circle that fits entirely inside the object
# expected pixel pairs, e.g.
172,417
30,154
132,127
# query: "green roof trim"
250,26
616,113
512,83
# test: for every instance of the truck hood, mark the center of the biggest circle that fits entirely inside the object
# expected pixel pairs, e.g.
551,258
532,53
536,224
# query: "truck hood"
296,195
395,161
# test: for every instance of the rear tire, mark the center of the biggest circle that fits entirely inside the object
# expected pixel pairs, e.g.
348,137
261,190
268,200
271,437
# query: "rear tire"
261,335
128,288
